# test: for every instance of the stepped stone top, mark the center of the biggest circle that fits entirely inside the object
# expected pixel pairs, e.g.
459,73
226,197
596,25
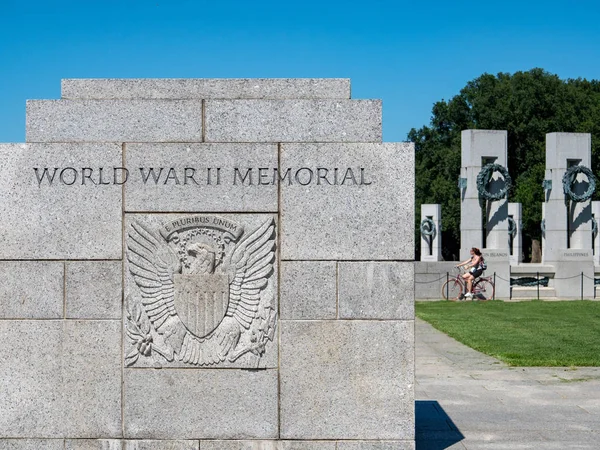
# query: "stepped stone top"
206,88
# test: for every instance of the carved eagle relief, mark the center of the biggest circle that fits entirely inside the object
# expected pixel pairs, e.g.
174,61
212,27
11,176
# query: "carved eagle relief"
203,297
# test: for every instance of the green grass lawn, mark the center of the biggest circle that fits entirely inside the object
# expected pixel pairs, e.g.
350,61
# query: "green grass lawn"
525,334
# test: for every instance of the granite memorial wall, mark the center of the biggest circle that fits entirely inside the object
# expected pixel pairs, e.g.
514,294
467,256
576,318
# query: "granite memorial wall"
206,264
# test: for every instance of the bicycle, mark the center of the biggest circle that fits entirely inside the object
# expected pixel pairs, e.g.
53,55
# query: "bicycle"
455,288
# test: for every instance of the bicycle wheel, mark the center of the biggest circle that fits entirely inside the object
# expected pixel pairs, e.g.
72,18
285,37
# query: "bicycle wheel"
483,289
452,290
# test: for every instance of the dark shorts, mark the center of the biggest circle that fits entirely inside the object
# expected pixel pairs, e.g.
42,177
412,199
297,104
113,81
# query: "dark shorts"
476,272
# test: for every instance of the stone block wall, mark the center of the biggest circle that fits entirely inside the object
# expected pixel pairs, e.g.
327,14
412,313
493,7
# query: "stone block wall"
206,264
430,277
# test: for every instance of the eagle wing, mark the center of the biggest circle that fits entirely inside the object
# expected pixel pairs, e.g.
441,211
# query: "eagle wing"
152,265
252,263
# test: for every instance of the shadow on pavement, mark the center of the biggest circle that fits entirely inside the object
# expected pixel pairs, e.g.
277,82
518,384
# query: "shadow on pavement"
434,429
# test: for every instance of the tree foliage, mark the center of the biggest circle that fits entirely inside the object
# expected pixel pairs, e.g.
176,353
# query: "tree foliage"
526,104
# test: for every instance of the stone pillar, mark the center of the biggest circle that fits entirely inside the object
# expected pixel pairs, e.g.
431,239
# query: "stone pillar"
568,237
515,241
478,148
431,246
595,238
268,212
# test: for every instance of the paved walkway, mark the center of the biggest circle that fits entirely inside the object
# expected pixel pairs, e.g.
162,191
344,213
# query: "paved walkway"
467,400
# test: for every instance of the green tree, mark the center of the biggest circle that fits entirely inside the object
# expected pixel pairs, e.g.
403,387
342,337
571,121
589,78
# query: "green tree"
526,104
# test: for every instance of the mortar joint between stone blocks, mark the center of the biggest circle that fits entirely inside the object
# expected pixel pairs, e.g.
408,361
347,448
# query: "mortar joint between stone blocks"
203,120
123,312
64,289
279,296
337,290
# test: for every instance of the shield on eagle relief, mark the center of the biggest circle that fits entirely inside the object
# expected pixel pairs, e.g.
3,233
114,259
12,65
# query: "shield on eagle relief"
201,301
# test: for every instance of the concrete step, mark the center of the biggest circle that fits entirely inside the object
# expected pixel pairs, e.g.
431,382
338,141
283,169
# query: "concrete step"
531,292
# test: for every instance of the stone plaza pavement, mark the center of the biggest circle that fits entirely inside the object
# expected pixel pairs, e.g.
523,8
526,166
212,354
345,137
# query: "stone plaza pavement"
467,400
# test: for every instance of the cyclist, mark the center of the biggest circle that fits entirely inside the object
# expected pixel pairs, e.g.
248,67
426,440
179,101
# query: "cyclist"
477,264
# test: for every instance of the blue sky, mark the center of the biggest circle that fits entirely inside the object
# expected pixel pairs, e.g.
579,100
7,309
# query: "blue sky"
408,54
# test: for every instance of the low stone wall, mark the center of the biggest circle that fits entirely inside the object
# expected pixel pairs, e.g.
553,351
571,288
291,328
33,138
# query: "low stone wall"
430,277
